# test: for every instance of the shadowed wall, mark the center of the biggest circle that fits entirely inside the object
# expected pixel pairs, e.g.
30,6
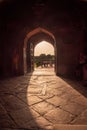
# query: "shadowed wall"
66,21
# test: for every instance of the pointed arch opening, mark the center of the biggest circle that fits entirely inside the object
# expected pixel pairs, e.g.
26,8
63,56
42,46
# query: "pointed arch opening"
31,40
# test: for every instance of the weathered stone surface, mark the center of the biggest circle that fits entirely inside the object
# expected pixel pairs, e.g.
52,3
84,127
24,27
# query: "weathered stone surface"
57,101
22,97
24,116
74,108
31,100
69,96
81,119
35,90
46,96
55,92
70,127
41,123
6,121
11,129
80,100
35,104
12,103
42,107
2,110
59,116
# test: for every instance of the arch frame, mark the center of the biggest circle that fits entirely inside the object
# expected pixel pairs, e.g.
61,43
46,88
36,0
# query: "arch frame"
28,36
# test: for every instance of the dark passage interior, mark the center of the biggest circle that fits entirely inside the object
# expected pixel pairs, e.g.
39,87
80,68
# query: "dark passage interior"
44,98
62,23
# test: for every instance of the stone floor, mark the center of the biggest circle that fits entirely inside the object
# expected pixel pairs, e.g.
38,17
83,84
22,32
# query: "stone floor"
42,101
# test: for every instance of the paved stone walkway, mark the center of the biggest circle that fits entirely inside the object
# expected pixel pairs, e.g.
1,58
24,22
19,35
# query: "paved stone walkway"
41,101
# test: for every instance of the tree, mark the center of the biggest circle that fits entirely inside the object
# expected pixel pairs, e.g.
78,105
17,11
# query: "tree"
39,60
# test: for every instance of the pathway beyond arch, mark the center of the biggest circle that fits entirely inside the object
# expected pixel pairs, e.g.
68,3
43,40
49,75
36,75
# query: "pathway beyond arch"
42,101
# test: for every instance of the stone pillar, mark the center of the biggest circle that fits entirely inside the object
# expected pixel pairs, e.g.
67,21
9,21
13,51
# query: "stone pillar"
24,60
28,58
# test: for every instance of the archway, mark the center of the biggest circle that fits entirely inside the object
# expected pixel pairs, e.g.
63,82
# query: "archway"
30,41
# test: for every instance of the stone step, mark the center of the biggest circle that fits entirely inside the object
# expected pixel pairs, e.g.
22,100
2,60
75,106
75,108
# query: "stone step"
70,127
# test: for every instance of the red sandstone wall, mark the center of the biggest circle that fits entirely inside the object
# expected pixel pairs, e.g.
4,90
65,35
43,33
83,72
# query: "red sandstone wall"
66,25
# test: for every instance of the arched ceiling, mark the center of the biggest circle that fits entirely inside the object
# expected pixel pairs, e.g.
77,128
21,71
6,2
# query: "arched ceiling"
16,5
40,34
21,4
35,39
15,9
43,13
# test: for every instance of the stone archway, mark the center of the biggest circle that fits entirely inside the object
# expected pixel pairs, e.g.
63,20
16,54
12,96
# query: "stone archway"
32,36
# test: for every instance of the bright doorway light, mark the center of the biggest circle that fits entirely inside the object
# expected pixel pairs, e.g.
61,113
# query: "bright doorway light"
44,55
43,48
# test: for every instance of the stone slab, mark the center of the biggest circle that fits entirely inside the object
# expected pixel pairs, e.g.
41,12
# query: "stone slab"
57,101
57,115
42,108
70,127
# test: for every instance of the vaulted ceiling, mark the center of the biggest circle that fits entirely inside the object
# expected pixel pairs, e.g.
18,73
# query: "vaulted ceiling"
15,9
